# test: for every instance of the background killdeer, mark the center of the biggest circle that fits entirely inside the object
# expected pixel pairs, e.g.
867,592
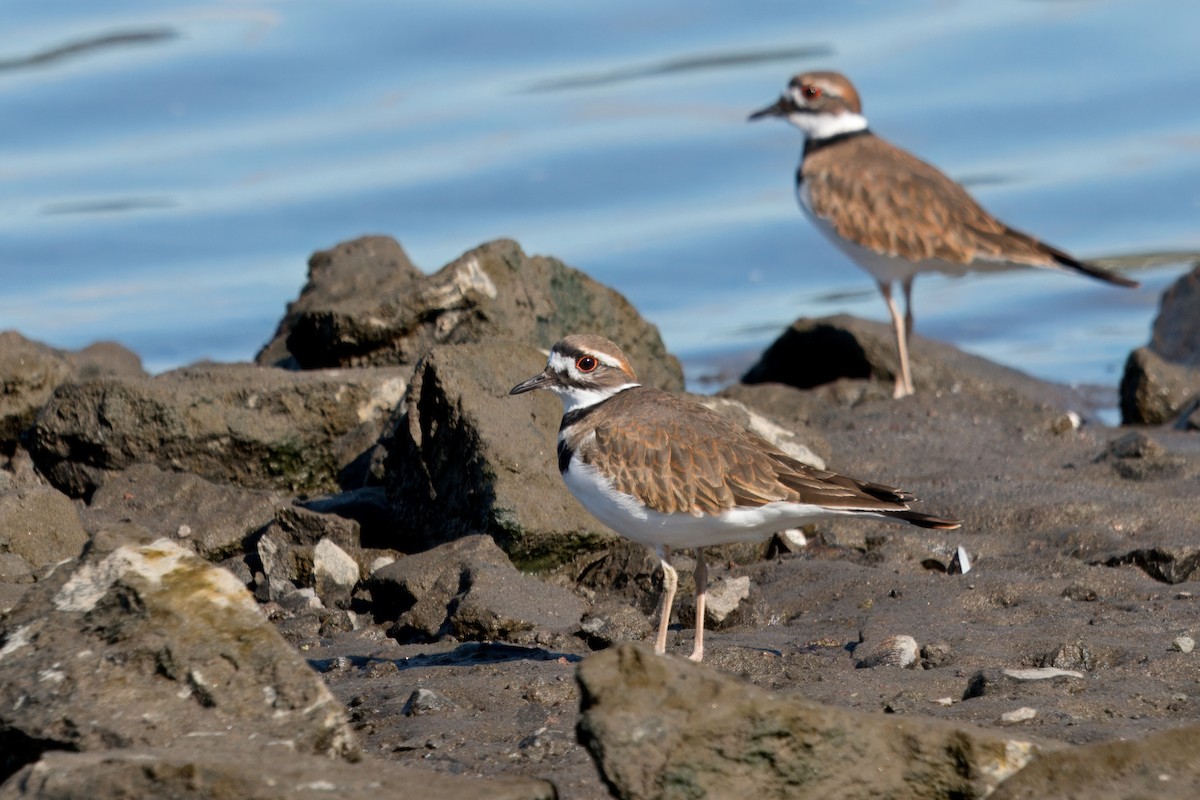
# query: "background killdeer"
664,471
892,213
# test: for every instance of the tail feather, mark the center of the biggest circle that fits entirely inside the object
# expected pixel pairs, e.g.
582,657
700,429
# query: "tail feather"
1068,261
926,521
1088,269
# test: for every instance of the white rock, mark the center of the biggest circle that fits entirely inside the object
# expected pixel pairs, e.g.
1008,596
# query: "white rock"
1018,715
1184,644
335,564
723,598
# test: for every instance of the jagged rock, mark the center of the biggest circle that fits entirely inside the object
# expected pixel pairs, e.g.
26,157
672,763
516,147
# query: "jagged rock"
1169,563
1161,765
663,727
29,374
367,506
469,589
253,426
611,622
140,643
268,771
1176,332
467,459
104,358
1155,391
31,371
1162,381
335,574
335,319
724,603
366,304
815,352
213,519
38,524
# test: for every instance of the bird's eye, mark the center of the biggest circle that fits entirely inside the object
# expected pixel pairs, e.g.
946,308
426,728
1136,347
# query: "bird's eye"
811,92
586,364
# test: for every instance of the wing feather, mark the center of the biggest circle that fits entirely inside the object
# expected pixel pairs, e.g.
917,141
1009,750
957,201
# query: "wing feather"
683,458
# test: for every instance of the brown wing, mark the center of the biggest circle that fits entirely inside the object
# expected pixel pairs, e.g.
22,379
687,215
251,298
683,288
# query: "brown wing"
888,200
681,457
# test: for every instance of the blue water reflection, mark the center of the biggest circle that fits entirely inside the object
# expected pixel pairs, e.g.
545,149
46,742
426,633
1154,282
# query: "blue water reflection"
166,168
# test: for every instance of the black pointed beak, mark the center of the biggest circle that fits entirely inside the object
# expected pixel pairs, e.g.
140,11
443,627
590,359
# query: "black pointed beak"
536,382
780,108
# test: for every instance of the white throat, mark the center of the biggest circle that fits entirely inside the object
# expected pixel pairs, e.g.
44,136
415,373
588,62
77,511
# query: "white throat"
574,397
826,126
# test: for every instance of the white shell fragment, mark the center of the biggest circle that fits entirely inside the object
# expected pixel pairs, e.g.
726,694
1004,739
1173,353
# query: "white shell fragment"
961,563
897,651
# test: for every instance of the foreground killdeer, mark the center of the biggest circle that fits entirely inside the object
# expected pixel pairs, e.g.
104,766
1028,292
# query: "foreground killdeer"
892,213
664,471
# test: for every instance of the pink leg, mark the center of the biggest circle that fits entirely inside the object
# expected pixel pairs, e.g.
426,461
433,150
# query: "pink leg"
701,576
904,385
670,584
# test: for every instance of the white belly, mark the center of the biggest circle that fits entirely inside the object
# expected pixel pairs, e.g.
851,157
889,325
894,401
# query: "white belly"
626,516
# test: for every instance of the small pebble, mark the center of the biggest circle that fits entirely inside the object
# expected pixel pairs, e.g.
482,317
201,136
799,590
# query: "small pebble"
1184,644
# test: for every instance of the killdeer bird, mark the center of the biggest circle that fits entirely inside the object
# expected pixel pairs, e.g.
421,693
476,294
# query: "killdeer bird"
890,212
664,471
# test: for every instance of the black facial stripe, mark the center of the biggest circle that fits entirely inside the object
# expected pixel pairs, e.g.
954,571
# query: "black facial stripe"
812,145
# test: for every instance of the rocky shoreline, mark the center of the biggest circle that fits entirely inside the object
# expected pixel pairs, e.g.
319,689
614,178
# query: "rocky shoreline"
352,566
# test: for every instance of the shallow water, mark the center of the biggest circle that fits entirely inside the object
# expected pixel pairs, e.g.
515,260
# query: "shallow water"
167,168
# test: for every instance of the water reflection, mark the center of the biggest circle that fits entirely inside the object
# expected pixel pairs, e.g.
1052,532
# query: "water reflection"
679,65
81,47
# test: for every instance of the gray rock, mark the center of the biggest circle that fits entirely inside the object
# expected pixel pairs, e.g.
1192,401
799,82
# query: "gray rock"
39,524
104,358
29,374
466,458
1169,563
815,352
334,321
367,506
366,304
1176,332
1155,391
335,574
469,589
267,771
613,621
723,603
1162,381
140,643
213,519
426,701
304,549
664,727
253,426
1161,765
31,371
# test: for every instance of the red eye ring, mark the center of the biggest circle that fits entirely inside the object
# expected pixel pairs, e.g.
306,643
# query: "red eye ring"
811,92
586,363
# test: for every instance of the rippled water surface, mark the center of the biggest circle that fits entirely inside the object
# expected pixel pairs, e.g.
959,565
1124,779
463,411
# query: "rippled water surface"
167,168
